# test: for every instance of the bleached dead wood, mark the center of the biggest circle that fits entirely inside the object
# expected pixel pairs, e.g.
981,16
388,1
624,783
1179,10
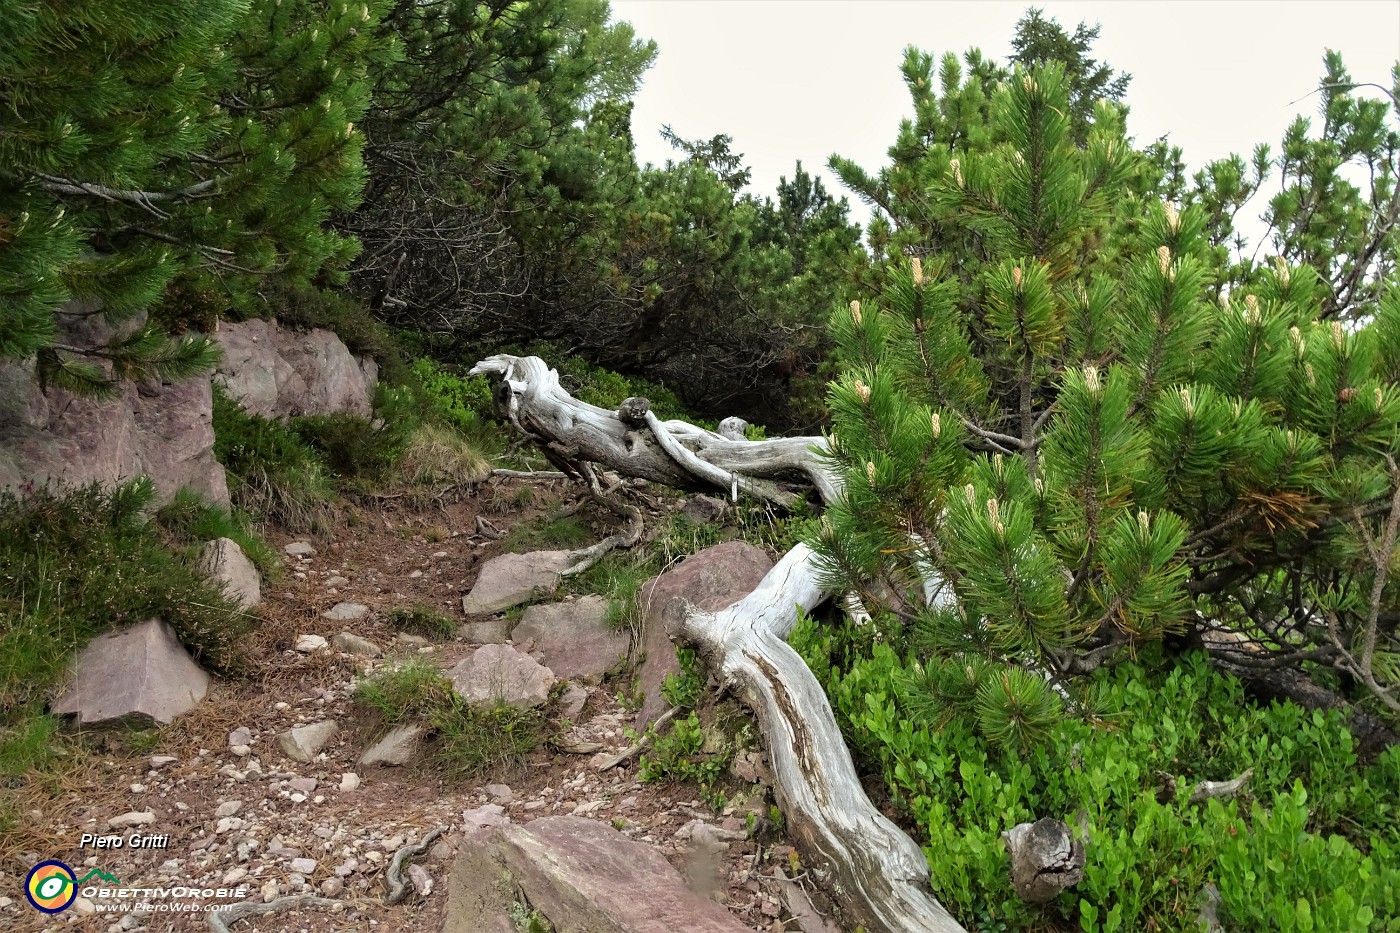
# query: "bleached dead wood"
875,870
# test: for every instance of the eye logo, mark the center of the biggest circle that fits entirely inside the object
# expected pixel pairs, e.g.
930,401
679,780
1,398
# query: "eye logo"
51,887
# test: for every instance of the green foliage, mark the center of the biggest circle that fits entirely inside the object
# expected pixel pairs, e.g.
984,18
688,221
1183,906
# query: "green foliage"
546,533
73,565
683,689
272,472
1327,853
680,755
462,403
144,142
1058,446
467,741
353,446
422,620
188,521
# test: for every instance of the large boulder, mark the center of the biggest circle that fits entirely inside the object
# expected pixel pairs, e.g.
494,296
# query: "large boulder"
512,579
573,637
711,579
498,674
223,561
139,674
156,429
276,372
578,874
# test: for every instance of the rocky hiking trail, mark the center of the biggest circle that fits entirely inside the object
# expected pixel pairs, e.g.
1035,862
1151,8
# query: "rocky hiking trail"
281,783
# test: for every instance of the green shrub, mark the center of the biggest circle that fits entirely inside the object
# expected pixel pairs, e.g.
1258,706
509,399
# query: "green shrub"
188,522
73,564
416,689
272,472
421,620
1279,864
680,755
463,403
545,533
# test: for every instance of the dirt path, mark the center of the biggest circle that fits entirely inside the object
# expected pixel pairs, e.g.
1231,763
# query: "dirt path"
254,818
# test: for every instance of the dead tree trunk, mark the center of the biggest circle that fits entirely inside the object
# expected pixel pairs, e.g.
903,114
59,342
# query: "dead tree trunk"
877,872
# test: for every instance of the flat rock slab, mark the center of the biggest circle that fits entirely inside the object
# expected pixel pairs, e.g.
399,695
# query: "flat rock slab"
346,612
711,580
141,673
304,743
350,643
512,579
583,876
395,749
486,632
223,561
574,638
498,674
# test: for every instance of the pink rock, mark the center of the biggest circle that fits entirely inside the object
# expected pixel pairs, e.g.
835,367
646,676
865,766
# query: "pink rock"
512,579
496,674
711,579
274,372
142,672
573,637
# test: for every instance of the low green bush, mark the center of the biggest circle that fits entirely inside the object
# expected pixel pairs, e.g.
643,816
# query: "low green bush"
356,447
1282,857
273,473
74,563
189,521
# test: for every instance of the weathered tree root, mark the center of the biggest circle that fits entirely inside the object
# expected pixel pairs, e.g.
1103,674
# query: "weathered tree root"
218,920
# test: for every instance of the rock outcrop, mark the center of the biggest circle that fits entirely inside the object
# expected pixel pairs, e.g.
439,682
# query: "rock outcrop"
161,430
277,372
139,674
579,875
711,580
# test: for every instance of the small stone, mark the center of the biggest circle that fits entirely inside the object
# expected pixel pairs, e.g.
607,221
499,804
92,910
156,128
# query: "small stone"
228,824
299,549
422,881
337,581
351,643
240,736
242,751
160,761
309,643
304,784
500,792
332,887
395,749
138,788
134,818
346,612
298,798
233,876
269,891
304,866
349,781
281,706
305,742
228,808
415,575
84,907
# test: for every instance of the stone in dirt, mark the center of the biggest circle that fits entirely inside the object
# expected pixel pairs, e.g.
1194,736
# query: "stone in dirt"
300,549
703,509
141,673
274,372
572,702
223,561
346,612
495,674
581,875
574,638
512,579
349,781
240,736
350,643
134,818
309,643
711,580
305,742
487,632
395,749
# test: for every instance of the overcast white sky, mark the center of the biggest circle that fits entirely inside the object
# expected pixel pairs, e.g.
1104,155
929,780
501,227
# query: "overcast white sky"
801,79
